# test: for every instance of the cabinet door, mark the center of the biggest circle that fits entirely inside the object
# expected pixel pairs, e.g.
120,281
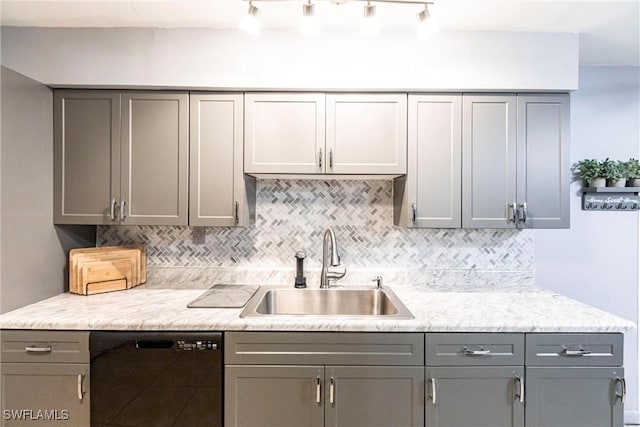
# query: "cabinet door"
283,396
284,133
155,150
574,397
367,134
543,161
474,397
86,156
434,168
218,194
374,396
46,394
488,161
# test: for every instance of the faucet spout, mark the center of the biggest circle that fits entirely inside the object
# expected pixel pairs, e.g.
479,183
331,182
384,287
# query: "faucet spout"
331,271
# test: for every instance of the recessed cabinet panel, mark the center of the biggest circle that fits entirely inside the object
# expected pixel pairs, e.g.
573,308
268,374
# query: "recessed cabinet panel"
217,183
543,160
366,133
155,141
87,156
489,161
284,133
434,161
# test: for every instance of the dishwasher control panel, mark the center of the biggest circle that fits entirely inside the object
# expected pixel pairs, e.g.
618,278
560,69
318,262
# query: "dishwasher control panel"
188,345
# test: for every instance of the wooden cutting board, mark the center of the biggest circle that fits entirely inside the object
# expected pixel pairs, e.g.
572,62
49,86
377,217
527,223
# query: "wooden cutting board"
107,268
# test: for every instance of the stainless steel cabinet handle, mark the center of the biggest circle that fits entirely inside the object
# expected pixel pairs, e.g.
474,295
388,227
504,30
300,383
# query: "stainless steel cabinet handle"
332,391
33,349
520,393
123,209
112,211
414,211
580,352
331,158
237,213
432,381
318,390
481,352
522,212
514,212
80,392
623,385
320,159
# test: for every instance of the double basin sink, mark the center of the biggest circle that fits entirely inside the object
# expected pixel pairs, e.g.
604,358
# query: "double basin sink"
378,303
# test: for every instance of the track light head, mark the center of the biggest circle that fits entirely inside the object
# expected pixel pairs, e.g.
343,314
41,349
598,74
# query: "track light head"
251,21
309,22
369,25
427,24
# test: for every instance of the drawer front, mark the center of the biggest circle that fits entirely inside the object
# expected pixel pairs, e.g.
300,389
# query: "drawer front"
474,349
324,348
574,349
45,346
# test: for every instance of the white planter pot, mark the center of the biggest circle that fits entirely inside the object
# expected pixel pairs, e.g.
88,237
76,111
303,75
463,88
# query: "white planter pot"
621,182
598,182
633,182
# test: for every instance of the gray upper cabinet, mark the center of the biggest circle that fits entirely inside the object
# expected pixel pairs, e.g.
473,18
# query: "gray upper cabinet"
515,161
86,156
430,194
310,133
220,194
366,133
543,161
155,150
284,133
489,161
121,158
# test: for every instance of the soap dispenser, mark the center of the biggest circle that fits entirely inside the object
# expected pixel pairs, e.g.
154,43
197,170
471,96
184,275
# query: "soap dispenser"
301,281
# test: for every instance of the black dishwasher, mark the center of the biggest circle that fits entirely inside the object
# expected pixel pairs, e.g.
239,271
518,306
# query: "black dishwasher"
143,379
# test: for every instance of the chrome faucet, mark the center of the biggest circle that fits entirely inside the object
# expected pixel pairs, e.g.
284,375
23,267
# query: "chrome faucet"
333,271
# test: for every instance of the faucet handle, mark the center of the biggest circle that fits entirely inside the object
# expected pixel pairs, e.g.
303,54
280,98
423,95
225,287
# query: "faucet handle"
379,281
301,255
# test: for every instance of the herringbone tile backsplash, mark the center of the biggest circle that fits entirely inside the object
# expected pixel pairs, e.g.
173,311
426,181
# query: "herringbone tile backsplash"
291,215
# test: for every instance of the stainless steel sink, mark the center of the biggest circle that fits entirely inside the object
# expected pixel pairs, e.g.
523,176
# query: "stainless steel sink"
341,302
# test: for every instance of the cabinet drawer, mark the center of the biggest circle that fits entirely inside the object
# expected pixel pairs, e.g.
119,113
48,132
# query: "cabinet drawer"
474,349
324,348
45,346
574,349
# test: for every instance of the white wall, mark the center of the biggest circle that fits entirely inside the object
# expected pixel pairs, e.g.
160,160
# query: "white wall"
596,260
206,58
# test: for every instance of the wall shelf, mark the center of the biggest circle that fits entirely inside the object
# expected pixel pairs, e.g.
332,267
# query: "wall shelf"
611,198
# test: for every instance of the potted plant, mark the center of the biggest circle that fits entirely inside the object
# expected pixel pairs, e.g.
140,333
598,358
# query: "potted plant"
632,172
590,171
614,172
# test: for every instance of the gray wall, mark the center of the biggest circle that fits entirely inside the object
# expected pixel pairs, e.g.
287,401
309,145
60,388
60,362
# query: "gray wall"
596,260
33,252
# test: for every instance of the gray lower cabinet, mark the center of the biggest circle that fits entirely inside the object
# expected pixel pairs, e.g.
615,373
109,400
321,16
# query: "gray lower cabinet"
477,396
121,157
44,378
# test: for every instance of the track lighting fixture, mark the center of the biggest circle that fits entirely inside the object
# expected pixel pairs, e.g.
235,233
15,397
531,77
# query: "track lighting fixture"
427,25
251,21
309,22
369,25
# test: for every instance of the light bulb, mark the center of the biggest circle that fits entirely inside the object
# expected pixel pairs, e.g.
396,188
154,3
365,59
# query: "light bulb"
427,24
251,21
309,22
369,25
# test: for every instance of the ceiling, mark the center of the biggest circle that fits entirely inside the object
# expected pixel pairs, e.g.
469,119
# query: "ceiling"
609,30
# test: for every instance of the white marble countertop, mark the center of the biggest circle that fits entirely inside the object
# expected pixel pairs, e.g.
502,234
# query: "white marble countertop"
436,309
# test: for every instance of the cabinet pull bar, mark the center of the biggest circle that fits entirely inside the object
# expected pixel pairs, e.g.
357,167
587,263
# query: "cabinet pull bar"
481,352
123,209
623,385
432,381
523,212
318,390
320,158
33,349
236,215
414,211
332,391
331,158
514,212
520,393
80,392
112,211
581,352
